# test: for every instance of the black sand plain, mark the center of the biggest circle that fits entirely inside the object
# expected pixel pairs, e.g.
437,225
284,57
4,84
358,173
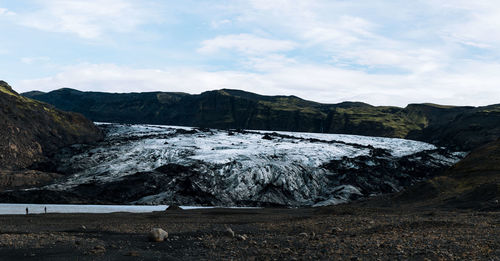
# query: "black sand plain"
343,232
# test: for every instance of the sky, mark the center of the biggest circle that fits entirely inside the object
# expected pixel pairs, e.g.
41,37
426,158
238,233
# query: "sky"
383,52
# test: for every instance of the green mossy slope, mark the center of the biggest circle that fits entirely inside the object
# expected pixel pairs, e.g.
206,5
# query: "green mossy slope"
473,182
31,130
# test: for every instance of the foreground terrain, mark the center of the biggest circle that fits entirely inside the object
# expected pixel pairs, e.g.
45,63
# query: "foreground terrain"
343,232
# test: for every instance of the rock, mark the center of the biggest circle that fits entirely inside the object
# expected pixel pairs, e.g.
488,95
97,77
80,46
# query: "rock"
157,235
267,137
98,249
173,207
336,230
241,237
229,232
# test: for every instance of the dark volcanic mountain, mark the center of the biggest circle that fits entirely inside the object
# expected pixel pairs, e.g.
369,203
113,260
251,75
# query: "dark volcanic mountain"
30,131
462,128
474,182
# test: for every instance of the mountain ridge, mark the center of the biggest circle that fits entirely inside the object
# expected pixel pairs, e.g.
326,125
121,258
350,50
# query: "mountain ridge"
460,127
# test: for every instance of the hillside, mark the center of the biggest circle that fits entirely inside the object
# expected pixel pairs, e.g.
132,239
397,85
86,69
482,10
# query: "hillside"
32,130
462,128
474,182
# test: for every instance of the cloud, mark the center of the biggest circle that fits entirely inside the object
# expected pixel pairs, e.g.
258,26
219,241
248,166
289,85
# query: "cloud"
245,43
481,27
472,84
32,60
219,23
88,19
384,52
6,12
414,60
269,62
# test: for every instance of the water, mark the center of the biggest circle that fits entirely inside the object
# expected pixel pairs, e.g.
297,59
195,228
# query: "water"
20,209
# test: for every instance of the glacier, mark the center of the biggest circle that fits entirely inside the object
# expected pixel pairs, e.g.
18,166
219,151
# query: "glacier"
155,164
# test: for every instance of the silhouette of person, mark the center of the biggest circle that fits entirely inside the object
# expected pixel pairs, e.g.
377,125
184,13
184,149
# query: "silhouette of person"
45,209
27,211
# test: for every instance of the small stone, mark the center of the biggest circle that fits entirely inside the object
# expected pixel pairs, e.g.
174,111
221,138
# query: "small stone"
336,230
241,237
157,235
99,247
83,227
229,232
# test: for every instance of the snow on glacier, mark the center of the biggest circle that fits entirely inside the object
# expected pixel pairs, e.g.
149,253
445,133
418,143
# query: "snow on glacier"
218,147
243,158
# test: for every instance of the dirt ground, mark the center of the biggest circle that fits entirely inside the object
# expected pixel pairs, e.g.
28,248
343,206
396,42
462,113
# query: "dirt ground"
332,233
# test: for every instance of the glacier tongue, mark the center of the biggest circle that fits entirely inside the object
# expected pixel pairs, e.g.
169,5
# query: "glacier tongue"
151,164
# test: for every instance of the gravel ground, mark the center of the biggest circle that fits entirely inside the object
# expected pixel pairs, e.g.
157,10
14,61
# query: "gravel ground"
345,232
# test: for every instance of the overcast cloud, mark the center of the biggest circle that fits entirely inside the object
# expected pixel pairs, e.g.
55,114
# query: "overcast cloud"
379,52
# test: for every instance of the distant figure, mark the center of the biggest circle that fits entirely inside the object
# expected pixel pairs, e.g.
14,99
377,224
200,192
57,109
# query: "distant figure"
27,211
45,209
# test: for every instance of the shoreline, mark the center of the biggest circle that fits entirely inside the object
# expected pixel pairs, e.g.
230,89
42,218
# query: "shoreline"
19,208
349,232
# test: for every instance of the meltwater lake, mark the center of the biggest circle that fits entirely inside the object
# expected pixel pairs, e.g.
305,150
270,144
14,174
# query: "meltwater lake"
20,209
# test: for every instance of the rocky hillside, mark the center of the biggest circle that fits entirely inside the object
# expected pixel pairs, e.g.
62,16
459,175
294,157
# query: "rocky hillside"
31,130
474,182
462,128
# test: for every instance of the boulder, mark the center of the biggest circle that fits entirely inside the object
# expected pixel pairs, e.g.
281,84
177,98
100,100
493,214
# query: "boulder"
157,235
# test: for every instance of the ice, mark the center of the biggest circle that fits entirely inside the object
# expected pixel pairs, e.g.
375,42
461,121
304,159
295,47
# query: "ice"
242,163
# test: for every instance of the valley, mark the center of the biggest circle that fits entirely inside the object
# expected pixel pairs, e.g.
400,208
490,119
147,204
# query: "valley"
358,192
